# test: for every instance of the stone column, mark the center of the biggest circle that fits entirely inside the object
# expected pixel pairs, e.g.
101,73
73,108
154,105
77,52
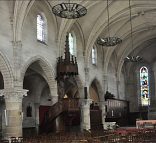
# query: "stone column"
118,88
37,120
105,84
13,111
81,92
54,99
17,59
103,109
85,114
103,103
54,93
87,83
152,107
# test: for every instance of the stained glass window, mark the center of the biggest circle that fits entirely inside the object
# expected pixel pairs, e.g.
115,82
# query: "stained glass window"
144,84
94,56
41,28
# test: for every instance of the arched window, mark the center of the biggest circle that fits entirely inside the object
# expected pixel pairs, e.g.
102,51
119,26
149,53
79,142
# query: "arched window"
72,44
144,86
41,28
94,56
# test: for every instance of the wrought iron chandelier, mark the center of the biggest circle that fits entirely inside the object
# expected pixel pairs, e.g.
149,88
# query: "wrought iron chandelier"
108,41
69,10
132,58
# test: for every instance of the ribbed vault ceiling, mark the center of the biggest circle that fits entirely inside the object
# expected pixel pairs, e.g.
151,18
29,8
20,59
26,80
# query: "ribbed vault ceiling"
94,24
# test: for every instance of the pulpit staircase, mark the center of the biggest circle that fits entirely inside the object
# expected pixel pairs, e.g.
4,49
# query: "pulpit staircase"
65,106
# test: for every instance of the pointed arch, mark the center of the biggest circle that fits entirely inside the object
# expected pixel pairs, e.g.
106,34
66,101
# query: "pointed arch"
72,43
6,70
21,10
98,88
48,70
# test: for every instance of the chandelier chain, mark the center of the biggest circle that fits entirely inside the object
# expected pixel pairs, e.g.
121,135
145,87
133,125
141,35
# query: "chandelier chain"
108,19
130,13
132,58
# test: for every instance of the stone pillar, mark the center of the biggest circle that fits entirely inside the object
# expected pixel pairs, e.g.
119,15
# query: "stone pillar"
81,92
13,111
54,99
37,120
87,82
85,114
152,107
54,93
17,59
118,88
103,103
105,84
104,113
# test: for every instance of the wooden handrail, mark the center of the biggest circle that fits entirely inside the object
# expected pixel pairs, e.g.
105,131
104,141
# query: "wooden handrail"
62,105
55,110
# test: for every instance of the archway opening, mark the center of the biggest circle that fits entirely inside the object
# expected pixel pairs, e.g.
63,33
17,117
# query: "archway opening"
93,90
95,112
37,102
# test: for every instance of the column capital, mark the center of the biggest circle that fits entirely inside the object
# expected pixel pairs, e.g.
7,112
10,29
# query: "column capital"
13,95
102,103
85,102
53,91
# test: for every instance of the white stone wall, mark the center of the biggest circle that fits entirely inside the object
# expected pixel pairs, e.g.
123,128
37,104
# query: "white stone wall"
133,85
112,80
31,48
122,87
19,46
6,31
131,89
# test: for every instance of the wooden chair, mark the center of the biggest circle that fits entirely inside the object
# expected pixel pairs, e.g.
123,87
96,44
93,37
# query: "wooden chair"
5,141
20,139
13,140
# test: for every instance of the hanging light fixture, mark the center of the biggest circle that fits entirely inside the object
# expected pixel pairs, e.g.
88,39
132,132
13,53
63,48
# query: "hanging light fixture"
69,10
132,58
108,41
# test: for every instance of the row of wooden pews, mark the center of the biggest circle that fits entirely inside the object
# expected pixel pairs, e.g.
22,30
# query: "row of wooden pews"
98,136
